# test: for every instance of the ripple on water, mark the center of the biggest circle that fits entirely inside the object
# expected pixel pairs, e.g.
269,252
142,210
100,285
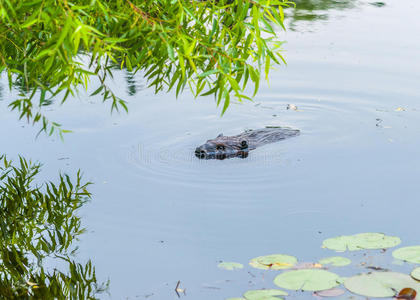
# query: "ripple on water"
323,116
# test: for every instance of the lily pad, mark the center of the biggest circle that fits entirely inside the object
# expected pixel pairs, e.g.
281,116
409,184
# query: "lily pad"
336,261
416,273
230,266
307,265
264,294
307,280
361,241
334,292
380,284
410,254
273,262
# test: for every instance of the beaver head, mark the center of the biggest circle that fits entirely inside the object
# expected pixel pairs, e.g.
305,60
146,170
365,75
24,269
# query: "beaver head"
222,147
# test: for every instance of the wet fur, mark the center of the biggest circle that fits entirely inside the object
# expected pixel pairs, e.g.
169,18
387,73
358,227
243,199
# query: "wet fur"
223,147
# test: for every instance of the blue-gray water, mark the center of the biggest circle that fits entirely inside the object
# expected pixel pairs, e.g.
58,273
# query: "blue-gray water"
160,215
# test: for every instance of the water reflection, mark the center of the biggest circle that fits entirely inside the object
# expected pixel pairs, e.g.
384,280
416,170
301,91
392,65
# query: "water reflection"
134,82
38,223
319,10
1,92
316,10
378,4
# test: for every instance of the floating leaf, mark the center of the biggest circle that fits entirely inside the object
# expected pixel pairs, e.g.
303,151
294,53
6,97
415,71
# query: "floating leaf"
230,265
380,284
410,254
361,241
264,294
307,280
407,294
416,273
307,265
334,292
273,262
337,261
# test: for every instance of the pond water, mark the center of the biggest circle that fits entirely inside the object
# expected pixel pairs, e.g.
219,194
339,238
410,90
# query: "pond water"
160,215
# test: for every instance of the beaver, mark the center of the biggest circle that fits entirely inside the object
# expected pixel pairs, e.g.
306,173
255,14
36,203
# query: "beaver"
223,147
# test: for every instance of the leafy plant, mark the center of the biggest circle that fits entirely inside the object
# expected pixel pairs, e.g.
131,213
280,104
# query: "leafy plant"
316,278
39,222
50,48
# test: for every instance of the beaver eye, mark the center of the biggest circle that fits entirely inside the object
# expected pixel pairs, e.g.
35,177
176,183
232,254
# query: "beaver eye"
244,144
220,147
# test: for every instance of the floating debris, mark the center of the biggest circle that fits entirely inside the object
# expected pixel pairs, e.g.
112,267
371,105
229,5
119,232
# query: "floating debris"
179,290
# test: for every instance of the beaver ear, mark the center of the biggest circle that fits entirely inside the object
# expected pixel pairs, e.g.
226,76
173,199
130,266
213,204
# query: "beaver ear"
220,135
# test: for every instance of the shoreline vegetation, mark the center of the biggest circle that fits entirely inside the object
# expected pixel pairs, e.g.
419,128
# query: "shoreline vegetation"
39,224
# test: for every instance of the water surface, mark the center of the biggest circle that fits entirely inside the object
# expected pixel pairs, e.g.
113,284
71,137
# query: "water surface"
160,215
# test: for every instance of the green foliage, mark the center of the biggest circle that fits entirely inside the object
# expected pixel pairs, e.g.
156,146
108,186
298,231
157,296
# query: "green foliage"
39,222
416,273
310,276
52,48
380,284
410,254
230,266
270,294
273,262
307,280
336,261
368,240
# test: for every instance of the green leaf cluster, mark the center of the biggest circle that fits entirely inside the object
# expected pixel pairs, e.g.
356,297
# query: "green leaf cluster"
50,49
39,222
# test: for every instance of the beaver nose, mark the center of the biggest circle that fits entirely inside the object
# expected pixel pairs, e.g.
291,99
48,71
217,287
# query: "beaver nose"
200,153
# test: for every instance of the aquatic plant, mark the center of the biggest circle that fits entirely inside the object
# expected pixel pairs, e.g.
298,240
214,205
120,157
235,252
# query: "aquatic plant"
317,277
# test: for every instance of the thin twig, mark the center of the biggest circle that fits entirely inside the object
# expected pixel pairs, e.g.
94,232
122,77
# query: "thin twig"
176,288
